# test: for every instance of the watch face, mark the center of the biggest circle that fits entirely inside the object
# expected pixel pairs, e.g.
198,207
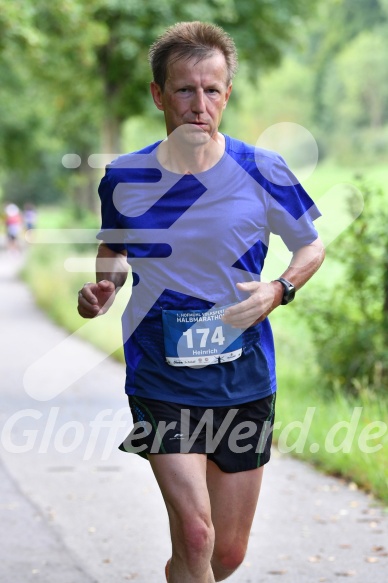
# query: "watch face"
288,291
290,295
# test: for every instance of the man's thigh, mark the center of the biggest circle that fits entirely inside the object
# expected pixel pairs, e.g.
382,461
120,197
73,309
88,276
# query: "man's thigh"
233,499
182,481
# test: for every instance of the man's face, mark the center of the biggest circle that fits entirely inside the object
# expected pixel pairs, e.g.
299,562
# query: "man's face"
194,97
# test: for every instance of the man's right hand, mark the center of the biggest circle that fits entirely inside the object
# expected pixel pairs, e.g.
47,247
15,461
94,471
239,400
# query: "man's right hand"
94,299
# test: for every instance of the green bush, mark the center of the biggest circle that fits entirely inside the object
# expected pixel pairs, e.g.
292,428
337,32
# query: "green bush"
350,325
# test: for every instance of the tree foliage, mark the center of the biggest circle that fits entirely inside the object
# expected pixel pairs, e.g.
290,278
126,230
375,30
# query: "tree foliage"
72,71
336,86
347,48
260,28
45,50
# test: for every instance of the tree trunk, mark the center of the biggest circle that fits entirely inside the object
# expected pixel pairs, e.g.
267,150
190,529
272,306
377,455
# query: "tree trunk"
84,188
111,136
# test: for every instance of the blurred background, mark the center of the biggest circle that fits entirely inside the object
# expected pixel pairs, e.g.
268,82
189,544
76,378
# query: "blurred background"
74,81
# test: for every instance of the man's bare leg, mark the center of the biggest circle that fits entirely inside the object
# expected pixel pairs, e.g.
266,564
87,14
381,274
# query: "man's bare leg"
233,500
182,481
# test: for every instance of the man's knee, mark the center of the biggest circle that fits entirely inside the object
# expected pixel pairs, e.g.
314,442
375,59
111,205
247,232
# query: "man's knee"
194,538
226,560
198,535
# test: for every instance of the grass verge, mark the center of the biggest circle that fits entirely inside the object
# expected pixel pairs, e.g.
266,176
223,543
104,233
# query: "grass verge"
339,434
55,291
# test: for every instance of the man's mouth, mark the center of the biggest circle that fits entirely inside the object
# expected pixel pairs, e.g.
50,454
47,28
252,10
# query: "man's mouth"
199,124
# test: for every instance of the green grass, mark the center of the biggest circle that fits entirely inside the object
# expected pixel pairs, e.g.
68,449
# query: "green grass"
56,289
329,422
348,436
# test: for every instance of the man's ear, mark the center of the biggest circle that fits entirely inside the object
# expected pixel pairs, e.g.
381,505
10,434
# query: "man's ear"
156,93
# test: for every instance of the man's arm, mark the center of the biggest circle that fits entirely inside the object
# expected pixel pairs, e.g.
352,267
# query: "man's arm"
94,299
265,297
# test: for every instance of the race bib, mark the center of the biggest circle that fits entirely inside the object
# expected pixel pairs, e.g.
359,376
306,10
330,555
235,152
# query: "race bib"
199,338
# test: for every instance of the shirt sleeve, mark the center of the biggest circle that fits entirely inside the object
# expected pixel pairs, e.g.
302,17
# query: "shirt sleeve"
290,210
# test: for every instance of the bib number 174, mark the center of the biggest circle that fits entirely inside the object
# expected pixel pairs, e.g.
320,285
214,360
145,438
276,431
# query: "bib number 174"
203,336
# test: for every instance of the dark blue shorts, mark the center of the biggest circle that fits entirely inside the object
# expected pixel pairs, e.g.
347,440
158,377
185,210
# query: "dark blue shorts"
236,438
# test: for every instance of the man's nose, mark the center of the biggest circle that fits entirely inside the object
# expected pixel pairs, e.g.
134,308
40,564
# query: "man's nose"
198,102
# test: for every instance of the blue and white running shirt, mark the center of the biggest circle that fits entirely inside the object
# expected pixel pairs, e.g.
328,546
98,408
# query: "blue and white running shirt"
189,240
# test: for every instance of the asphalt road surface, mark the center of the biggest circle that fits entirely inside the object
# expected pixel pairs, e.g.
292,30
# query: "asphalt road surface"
75,509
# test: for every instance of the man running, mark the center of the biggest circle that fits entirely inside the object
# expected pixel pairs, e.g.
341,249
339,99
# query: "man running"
192,215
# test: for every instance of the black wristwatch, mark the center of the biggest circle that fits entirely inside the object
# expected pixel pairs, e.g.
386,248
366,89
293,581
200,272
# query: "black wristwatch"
288,290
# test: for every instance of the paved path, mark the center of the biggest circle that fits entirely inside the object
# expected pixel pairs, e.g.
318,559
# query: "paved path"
74,509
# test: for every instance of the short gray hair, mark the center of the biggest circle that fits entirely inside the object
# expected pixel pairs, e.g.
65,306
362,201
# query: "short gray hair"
185,40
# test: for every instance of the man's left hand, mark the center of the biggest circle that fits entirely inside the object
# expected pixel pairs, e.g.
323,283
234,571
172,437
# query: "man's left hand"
264,297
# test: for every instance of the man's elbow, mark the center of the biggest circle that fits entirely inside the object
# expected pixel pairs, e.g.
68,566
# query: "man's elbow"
320,248
319,251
